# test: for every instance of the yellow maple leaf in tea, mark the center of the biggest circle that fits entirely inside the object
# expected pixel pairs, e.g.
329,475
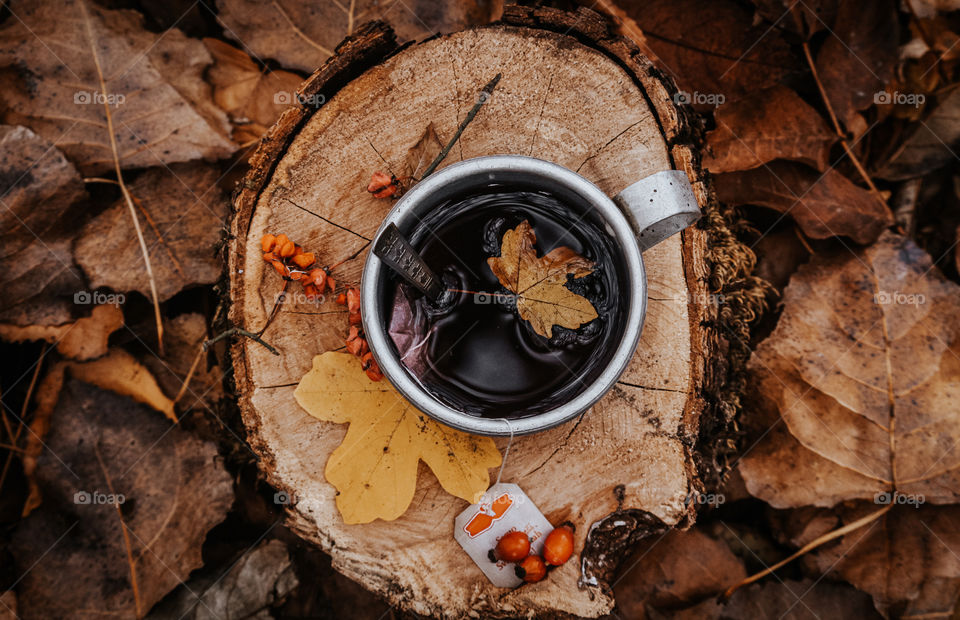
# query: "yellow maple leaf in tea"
540,282
374,469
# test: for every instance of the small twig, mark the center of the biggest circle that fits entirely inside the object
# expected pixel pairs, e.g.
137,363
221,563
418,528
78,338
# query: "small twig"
236,331
484,96
193,369
351,257
837,533
836,123
123,186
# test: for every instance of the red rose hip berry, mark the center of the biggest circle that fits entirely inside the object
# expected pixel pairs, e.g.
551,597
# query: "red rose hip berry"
532,569
558,546
513,546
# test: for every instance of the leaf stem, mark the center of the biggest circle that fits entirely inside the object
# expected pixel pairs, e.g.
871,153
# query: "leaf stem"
810,546
123,186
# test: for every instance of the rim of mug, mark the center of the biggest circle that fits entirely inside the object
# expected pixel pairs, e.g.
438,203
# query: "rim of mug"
418,200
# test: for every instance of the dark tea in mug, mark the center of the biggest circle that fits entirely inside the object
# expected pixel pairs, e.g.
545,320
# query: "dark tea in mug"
471,348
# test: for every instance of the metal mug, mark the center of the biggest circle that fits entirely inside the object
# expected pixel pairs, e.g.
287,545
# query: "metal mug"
639,217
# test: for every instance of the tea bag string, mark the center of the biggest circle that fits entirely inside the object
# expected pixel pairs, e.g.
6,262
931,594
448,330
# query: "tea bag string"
506,452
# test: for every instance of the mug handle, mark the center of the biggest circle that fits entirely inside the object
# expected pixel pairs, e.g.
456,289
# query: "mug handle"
659,206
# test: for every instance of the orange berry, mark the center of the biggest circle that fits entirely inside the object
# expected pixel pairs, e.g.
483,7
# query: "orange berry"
353,300
317,277
364,349
288,249
331,283
304,260
280,267
268,256
558,546
310,290
267,242
342,299
513,546
355,346
355,319
296,275
370,367
382,185
282,240
531,569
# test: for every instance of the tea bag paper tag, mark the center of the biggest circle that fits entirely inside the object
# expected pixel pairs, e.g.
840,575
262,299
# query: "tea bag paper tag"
503,508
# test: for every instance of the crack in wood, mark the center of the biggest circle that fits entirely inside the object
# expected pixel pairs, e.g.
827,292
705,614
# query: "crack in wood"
609,142
648,387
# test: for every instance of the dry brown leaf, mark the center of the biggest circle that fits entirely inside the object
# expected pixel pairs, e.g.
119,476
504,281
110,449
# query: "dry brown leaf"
864,368
174,489
786,600
814,15
120,372
253,98
822,205
162,112
183,336
186,206
930,145
8,606
713,48
260,579
675,570
83,339
422,154
907,561
773,124
301,35
374,469
36,258
39,185
540,282
857,59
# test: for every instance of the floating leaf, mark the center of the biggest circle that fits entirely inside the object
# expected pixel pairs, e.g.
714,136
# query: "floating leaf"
375,468
540,283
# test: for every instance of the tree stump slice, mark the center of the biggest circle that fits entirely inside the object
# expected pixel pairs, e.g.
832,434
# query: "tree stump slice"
571,93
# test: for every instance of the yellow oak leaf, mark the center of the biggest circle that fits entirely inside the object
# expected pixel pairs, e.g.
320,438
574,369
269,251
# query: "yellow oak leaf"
374,469
540,282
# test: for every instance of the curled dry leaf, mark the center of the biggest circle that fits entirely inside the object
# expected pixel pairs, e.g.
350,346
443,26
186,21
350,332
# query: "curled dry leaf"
774,124
823,206
81,340
101,446
161,107
36,259
185,206
301,35
253,97
375,468
540,282
864,368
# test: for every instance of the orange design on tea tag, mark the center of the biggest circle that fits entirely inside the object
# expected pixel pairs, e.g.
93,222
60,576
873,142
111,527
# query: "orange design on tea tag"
487,515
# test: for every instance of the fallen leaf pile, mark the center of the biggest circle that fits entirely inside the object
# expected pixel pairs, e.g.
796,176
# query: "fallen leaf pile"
540,282
375,467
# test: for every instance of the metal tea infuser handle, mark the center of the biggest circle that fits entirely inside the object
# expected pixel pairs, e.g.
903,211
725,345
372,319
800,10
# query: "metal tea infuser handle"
659,206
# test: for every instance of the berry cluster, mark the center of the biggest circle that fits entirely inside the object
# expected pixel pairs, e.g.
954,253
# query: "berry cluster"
292,263
514,547
356,341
